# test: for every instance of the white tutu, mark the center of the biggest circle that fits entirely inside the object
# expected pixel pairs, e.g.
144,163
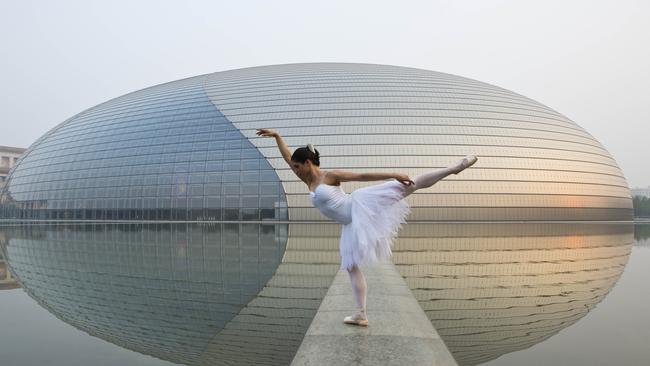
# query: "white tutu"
378,213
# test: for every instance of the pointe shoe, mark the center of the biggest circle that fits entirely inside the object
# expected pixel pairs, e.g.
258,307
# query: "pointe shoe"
359,318
467,162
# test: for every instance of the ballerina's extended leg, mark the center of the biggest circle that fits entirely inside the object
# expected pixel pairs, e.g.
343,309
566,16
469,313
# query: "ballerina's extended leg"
428,179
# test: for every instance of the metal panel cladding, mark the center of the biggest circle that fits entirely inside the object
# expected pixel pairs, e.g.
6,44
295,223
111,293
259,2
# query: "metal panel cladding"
534,163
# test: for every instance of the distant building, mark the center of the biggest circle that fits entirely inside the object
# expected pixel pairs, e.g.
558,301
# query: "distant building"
8,158
7,280
645,192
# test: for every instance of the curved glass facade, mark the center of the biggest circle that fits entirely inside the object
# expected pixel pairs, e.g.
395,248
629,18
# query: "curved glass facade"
163,153
187,150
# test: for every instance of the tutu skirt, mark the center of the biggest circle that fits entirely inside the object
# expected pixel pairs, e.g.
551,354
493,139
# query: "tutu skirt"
378,212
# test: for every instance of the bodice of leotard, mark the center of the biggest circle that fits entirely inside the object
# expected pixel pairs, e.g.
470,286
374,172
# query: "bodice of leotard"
332,202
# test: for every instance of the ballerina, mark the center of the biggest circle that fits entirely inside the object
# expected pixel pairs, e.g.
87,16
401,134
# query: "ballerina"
371,216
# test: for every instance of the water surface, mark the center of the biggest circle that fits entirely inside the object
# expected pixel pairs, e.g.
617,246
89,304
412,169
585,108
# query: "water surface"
211,294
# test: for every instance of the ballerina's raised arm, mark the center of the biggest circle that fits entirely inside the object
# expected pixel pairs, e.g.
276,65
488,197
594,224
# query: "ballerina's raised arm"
305,164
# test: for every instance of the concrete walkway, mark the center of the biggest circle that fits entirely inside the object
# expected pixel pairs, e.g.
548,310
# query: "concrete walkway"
399,332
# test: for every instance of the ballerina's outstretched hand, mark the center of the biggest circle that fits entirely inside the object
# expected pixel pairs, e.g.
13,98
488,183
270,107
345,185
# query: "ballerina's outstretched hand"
267,132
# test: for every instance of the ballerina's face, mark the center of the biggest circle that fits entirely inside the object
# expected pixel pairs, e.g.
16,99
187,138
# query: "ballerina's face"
298,168
302,170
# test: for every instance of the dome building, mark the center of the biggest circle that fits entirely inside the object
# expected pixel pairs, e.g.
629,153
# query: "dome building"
187,150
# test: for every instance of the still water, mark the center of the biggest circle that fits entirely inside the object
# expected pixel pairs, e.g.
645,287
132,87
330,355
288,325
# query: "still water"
212,294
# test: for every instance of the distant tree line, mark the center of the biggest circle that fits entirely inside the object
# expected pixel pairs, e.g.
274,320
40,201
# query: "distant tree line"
641,206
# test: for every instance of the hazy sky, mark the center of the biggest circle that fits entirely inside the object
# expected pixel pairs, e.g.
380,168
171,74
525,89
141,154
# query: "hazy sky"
589,60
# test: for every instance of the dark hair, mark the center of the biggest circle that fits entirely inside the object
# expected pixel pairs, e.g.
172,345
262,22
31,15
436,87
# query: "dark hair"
302,154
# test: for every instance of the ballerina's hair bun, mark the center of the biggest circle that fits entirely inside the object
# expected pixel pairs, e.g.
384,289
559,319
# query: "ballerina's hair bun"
313,150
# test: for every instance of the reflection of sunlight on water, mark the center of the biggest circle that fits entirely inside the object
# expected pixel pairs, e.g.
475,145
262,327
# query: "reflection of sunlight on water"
491,289
575,241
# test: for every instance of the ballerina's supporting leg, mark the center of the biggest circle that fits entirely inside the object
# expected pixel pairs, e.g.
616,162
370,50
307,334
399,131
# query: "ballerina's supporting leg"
358,287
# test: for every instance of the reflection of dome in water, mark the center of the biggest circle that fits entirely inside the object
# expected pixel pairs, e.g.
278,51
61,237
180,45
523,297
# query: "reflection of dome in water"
187,150
200,294
493,289
184,293
197,294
